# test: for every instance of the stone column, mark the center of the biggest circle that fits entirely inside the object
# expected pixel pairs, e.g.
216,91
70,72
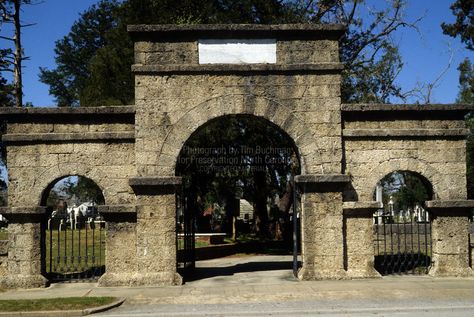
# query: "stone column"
359,239
156,230
322,238
121,245
26,254
450,237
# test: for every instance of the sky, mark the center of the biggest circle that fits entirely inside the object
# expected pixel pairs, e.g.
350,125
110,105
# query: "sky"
426,53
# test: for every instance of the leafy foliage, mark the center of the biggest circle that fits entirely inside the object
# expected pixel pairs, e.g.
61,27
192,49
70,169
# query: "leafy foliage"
233,156
372,61
77,188
94,66
94,59
464,28
466,96
407,189
464,25
466,82
75,52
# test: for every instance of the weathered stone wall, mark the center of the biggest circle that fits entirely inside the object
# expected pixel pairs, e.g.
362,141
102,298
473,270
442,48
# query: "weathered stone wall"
450,227
322,237
171,108
302,44
421,140
428,140
175,95
3,257
44,147
358,239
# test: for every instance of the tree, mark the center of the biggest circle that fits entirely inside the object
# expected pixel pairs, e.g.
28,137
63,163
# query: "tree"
94,67
78,188
11,61
84,189
464,28
228,156
407,189
464,25
466,82
76,50
371,58
466,96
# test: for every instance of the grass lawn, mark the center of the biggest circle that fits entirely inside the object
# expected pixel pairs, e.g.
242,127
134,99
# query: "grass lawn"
50,304
74,250
3,234
197,244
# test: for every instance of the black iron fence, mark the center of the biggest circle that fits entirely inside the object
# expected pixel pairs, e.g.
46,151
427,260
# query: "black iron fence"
75,249
402,247
185,234
471,241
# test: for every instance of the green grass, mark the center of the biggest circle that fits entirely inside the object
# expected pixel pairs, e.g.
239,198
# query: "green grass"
197,244
77,244
51,304
3,234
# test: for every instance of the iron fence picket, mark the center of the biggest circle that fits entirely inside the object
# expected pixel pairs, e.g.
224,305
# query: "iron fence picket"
79,253
402,247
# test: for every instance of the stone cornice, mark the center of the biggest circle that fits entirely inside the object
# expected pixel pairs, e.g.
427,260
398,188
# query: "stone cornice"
450,204
237,68
161,31
406,108
68,137
116,209
364,209
421,133
6,111
322,179
361,205
155,181
27,210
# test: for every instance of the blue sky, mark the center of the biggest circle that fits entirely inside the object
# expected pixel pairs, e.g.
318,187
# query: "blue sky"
425,54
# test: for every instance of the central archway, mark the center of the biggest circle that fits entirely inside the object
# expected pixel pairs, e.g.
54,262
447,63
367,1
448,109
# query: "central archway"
237,195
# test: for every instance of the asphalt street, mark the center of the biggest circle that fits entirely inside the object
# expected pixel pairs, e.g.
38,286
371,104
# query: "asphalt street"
264,286
254,285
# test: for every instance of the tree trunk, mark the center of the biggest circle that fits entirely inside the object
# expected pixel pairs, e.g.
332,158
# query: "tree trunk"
261,213
287,199
18,56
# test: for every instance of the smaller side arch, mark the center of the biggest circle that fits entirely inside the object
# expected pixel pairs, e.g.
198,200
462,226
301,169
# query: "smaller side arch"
385,168
46,191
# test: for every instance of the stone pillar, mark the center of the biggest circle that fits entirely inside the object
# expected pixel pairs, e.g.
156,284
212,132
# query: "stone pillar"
156,230
26,254
322,238
3,258
359,239
450,237
121,245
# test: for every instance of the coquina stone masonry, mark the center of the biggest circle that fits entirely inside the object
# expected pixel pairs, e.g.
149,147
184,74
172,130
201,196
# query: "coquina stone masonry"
131,153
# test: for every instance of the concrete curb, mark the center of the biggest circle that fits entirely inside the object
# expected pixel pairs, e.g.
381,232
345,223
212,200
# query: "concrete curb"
95,310
65,313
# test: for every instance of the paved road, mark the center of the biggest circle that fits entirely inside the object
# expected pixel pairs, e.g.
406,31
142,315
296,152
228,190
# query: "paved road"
300,308
264,286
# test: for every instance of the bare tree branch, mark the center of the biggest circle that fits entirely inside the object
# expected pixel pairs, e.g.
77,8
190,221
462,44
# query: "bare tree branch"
7,38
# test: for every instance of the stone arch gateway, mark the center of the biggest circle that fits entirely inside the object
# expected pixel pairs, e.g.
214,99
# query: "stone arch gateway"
184,77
